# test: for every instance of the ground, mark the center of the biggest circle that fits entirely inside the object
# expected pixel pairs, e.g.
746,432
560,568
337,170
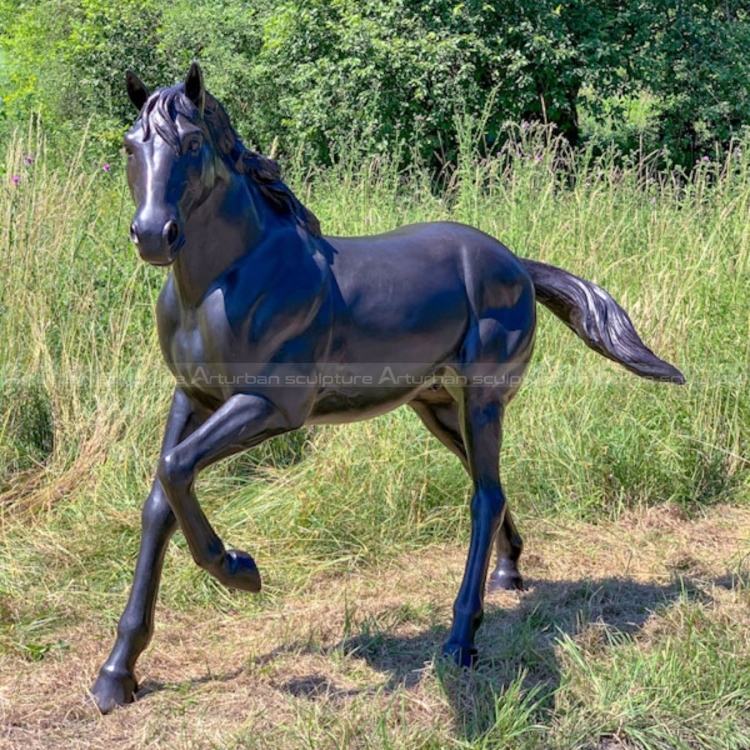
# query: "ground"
352,661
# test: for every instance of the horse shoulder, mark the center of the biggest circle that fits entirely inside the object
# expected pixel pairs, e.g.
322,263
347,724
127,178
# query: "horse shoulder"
276,291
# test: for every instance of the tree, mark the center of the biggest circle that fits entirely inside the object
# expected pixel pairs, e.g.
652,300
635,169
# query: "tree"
377,75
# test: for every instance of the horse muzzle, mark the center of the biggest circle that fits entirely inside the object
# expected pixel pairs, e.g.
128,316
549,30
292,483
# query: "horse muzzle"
157,243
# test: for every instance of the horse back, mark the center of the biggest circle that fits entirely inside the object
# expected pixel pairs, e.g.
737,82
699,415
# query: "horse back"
417,291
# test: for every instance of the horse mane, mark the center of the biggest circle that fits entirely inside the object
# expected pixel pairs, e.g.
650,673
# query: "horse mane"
264,172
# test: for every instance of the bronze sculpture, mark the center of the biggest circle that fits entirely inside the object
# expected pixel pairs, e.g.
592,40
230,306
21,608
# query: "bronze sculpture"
267,326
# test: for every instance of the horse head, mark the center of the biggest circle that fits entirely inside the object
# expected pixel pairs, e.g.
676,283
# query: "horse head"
171,166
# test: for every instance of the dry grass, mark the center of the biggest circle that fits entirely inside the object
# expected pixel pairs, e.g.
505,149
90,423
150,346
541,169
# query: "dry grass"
32,491
351,663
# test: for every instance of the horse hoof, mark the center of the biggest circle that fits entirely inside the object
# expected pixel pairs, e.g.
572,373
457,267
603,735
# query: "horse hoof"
505,577
240,570
462,656
112,690
505,582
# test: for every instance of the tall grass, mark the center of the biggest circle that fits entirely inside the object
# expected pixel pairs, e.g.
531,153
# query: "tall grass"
584,436
84,395
84,392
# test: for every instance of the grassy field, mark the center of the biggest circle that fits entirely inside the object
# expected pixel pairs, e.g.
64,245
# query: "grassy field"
633,497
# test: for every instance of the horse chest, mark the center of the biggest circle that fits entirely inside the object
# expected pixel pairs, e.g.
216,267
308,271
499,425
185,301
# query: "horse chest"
187,347
186,354
193,343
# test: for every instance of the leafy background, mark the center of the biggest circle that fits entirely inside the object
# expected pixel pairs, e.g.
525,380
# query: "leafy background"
392,75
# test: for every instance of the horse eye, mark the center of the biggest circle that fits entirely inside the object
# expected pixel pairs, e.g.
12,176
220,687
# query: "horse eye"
128,151
194,146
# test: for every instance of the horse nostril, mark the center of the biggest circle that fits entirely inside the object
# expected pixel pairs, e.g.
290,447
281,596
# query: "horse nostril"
171,232
134,233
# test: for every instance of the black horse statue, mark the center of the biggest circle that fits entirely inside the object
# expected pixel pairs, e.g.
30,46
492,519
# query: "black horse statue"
268,326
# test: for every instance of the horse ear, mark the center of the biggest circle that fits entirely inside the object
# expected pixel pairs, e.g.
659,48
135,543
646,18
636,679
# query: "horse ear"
137,92
194,89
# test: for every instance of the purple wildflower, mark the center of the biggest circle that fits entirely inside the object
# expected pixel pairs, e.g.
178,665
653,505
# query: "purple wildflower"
16,179
28,160
525,124
106,167
706,158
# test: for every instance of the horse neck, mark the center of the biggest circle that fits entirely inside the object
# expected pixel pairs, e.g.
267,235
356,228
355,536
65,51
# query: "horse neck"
226,226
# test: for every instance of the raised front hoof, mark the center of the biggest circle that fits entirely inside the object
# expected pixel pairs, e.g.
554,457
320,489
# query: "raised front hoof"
239,571
462,656
112,690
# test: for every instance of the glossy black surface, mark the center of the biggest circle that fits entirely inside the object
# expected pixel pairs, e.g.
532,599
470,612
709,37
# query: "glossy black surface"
268,326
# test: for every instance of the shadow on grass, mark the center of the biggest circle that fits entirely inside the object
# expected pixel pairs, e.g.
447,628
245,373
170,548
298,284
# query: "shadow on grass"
517,645
517,641
147,687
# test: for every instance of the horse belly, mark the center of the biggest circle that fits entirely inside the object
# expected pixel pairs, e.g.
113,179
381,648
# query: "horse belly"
341,405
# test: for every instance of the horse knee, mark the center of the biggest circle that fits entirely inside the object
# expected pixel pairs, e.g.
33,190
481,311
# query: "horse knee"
174,470
156,512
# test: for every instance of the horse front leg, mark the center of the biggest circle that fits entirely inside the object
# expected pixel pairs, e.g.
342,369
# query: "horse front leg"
116,683
242,422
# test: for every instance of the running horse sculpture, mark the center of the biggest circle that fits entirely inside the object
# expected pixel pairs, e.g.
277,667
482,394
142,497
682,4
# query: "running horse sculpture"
268,326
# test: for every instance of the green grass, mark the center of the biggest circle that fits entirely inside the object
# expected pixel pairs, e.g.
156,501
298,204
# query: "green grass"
84,394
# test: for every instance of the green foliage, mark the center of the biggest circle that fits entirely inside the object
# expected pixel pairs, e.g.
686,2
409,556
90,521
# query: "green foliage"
68,58
225,36
669,74
390,76
701,72
377,75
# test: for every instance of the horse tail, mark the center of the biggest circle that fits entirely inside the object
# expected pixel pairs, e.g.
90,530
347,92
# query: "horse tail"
595,317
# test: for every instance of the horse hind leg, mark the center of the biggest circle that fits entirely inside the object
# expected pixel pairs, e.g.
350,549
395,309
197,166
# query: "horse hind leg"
442,420
481,414
508,547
